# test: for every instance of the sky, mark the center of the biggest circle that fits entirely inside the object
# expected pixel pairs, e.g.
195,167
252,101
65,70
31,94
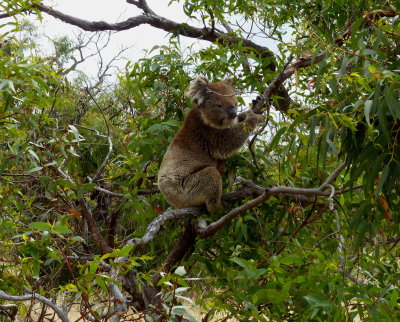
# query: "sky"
139,39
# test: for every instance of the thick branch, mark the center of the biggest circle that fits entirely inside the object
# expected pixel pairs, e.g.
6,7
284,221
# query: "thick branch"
250,189
183,246
61,314
171,214
155,21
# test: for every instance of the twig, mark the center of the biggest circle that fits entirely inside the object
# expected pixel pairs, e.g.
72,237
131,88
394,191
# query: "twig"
87,214
10,310
100,109
120,195
105,161
61,314
110,144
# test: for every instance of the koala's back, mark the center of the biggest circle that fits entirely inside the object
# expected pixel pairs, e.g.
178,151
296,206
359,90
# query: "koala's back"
188,172
190,150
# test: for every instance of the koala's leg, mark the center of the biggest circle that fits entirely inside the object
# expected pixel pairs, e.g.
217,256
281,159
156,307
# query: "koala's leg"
204,187
172,192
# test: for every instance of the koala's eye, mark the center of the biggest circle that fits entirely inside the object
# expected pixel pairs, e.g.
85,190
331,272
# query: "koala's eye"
218,105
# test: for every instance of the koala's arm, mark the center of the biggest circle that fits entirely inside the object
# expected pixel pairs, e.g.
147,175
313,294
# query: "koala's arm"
237,135
248,121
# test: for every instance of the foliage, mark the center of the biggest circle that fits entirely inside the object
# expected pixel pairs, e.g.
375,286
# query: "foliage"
286,260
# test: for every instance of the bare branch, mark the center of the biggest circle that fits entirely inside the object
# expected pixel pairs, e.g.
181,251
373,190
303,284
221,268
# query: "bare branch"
120,195
171,214
32,295
205,230
334,175
250,189
157,22
121,305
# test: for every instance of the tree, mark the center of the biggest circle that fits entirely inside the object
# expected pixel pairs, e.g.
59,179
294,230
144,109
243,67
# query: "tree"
312,233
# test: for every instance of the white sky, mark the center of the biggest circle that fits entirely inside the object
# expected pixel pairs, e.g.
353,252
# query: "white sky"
138,39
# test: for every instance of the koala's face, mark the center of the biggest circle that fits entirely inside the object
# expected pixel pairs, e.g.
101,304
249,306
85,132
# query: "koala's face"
216,102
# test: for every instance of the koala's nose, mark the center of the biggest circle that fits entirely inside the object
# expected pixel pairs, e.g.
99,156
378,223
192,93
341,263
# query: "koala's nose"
232,112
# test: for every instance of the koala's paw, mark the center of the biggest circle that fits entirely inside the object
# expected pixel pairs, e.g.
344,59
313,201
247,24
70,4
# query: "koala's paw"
253,119
255,102
242,116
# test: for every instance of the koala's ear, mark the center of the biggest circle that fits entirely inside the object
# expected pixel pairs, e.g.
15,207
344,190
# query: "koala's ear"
198,90
229,81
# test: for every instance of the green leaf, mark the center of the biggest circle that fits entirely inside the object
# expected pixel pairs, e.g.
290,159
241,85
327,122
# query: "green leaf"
65,183
60,229
276,138
333,147
36,269
270,296
75,131
43,226
240,261
125,251
78,239
154,128
394,106
35,169
382,180
100,281
33,153
291,259
83,189
367,110
11,85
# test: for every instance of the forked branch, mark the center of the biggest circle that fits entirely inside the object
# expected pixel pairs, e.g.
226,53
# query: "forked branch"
205,230
31,296
250,189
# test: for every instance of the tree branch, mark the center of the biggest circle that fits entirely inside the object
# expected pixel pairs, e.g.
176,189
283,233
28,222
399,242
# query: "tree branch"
275,86
171,214
155,21
61,314
205,230
250,189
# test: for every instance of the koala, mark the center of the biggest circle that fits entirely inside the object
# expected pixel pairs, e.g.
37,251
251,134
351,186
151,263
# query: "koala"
190,173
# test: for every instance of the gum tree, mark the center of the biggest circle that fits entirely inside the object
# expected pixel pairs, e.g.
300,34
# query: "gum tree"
312,232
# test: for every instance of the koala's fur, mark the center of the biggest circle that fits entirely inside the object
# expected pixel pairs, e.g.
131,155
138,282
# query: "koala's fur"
190,173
